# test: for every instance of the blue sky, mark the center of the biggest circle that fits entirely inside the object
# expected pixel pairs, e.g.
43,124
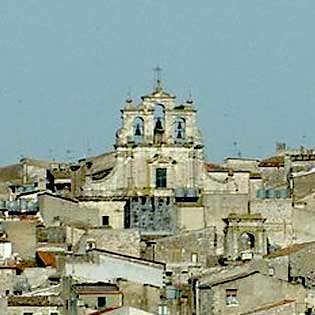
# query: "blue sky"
66,68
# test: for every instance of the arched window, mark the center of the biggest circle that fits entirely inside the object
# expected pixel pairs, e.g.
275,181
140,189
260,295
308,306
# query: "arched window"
159,123
179,130
247,241
138,130
159,112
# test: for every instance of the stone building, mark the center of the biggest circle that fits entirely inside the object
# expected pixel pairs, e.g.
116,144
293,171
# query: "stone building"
158,162
45,305
245,236
245,292
157,179
97,296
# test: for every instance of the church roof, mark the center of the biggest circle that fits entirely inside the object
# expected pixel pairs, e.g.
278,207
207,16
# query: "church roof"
158,93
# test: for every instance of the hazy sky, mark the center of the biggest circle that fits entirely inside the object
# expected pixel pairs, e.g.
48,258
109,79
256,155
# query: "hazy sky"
66,68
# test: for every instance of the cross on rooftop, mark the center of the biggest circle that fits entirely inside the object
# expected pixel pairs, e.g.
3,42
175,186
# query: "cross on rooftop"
157,77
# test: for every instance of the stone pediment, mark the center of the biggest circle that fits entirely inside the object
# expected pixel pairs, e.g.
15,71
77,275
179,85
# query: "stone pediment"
159,93
161,159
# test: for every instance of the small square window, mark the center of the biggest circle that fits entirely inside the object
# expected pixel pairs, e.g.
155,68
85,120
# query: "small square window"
231,298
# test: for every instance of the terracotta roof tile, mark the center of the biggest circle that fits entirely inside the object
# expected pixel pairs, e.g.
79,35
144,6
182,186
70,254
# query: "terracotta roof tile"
274,161
47,258
44,300
211,167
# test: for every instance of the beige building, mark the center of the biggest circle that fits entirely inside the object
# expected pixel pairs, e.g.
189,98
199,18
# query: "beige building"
245,292
157,180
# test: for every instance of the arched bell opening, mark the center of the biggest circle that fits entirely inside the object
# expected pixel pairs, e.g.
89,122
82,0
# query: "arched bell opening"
179,130
159,123
138,130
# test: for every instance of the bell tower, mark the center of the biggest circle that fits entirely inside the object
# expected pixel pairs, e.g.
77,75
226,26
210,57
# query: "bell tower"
158,120
158,162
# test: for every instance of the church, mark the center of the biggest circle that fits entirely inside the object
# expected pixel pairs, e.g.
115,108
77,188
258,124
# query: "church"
157,179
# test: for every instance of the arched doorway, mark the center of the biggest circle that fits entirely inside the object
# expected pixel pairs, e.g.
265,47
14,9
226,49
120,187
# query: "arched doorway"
246,242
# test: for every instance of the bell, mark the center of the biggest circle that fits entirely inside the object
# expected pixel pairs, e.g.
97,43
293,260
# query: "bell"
179,135
158,125
179,126
138,130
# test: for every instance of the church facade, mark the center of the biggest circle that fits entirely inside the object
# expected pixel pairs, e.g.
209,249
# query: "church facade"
157,179
158,162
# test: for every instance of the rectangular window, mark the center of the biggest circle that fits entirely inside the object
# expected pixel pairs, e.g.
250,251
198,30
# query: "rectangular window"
161,177
101,301
194,257
163,310
105,220
231,297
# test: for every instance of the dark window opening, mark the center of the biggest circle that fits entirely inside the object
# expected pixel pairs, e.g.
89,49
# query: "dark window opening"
159,118
161,180
138,127
105,220
101,301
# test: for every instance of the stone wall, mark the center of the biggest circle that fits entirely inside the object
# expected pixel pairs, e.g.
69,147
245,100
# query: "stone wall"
303,224
90,301
303,185
188,248
190,216
226,182
123,241
279,223
265,289
302,265
56,210
285,307
145,297
219,206
7,276
273,177
113,209
42,310
22,235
